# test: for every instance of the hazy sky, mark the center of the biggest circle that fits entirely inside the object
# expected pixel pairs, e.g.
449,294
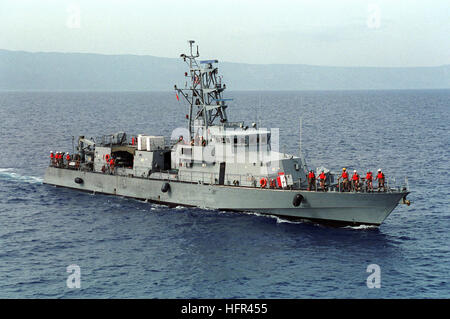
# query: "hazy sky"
340,33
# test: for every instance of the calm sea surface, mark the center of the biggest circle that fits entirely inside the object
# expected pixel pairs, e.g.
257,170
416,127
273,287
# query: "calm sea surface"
131,249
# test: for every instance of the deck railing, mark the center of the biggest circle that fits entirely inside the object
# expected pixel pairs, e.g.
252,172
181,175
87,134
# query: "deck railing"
332,184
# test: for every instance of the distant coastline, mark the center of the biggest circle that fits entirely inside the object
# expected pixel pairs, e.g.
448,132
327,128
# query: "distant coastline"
80,72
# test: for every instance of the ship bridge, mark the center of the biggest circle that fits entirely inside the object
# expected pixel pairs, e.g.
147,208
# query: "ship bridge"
240,137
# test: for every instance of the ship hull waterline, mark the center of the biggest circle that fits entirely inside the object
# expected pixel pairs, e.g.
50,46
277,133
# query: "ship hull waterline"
349,208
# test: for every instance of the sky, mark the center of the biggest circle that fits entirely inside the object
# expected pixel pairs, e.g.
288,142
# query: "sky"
379,33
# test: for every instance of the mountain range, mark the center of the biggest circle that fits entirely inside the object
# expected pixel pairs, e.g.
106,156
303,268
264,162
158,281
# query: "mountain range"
52,71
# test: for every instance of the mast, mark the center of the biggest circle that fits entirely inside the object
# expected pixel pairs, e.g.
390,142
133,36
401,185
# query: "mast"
203,92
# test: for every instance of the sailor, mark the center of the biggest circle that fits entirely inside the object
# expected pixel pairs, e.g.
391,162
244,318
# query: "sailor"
369,181
77,161
344,177
273,183
380,178
192,142
67,159
52,158
355,181
197,140
57,159
322,178
202,141
111,164
311,180
180,139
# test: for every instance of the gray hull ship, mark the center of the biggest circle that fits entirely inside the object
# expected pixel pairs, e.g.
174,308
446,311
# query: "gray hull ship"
217,164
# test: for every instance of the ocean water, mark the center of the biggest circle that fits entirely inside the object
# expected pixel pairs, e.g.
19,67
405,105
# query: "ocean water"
127,248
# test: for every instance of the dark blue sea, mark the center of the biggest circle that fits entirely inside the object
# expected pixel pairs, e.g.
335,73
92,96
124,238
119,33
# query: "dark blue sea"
126,248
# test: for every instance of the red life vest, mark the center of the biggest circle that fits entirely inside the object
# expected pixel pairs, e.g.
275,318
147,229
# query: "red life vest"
380,175
344,175
311,175
322,176
51,155
68,157
111,162
369,176
355,177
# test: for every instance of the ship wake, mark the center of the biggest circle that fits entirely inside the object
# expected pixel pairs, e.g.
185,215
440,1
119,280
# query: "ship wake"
11,175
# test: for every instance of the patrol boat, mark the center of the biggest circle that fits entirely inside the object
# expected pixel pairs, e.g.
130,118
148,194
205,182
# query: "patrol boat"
216,164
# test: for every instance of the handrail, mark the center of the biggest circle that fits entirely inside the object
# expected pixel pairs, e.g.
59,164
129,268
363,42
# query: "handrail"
192,176
390,184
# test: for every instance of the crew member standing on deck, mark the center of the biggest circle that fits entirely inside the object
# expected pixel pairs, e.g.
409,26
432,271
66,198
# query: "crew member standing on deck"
68,159
52,159
322,178
380,178
111,165
311,180
355,181
369,181
344,177
57,159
